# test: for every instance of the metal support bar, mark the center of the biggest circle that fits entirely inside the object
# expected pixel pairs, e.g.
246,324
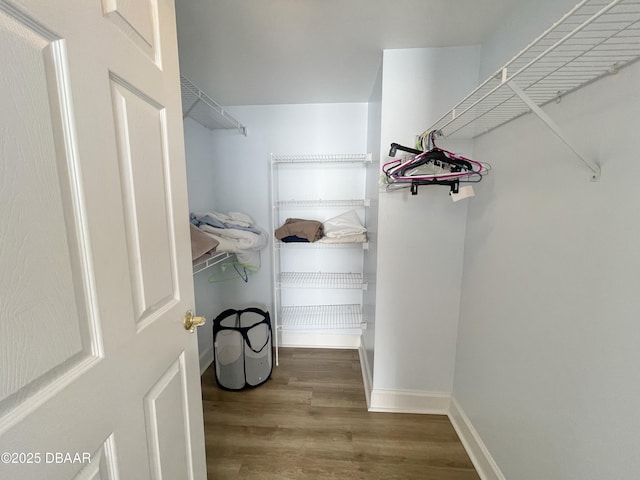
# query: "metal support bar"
193,105
595,168
210,262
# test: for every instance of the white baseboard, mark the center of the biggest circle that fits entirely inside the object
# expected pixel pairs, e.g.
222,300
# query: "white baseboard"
409,401
206,359
319,340
482,460
367,377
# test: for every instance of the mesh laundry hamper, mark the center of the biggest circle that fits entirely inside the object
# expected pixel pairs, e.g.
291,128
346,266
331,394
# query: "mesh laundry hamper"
243,347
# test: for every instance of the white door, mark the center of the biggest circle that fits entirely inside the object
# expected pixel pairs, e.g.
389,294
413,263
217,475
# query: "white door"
98,377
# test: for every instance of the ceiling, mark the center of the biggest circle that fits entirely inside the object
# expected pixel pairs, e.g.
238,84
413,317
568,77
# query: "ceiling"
257,52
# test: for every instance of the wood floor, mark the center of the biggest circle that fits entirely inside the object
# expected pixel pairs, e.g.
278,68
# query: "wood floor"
310,421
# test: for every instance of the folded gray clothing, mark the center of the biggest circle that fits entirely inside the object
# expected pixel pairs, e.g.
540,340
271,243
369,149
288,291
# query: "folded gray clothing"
201,243
312,230
199,218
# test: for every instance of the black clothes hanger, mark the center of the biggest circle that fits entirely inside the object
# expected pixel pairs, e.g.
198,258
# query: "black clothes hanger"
434,155
396,146
430,165
454,184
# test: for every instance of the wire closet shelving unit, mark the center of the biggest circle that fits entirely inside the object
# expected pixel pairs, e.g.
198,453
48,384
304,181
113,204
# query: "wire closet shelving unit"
299,316
205,110
594,39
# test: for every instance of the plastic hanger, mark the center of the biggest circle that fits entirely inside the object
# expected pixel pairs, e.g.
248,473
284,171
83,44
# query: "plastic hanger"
224,273
435,166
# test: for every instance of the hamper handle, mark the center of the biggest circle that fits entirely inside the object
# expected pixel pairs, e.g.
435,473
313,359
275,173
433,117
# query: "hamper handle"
217,325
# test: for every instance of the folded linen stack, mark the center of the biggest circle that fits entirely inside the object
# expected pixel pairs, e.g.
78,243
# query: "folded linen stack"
236,233
299,230
345,228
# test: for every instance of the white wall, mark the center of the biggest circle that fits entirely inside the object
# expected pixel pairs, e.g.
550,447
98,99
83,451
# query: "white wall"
420,238
548,351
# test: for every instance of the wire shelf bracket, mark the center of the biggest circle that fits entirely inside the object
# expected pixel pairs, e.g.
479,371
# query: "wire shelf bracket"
594,39
205,110
553,126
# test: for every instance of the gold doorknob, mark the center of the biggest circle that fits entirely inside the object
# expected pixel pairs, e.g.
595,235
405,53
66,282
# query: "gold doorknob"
191,322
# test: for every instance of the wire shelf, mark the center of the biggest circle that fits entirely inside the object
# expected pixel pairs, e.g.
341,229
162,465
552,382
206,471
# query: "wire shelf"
323,203
319,245
322,280
321,317
205,110
323,158
596,38
216,259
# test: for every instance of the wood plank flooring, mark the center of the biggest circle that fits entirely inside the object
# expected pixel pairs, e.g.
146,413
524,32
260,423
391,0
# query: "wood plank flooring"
310,421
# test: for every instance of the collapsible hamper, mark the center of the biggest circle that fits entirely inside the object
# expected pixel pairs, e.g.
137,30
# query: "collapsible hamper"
243,348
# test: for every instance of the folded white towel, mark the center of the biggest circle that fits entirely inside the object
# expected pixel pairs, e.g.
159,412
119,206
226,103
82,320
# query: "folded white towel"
345,224
357,238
